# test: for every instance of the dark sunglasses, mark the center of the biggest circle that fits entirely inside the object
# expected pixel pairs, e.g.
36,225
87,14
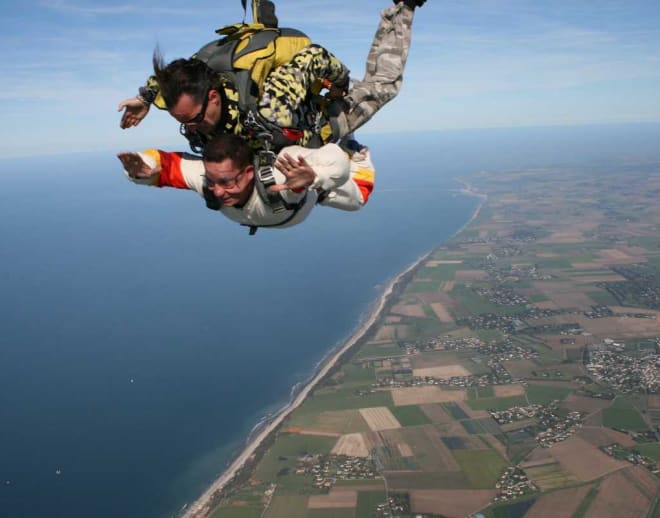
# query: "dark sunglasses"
202,113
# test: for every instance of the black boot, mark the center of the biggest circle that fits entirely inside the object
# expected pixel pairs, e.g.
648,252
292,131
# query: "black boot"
267,13
411,3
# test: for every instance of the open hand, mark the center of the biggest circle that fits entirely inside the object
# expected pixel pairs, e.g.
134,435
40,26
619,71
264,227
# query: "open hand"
135,166
135,111
299,174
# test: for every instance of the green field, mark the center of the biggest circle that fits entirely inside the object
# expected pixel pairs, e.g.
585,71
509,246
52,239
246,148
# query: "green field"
513,510
287,507
330,513
367,502
428,327
481,392
455,411
602,297
379,351
476,367
542,394
550,476
376,483
586,503
410,415
238,512
425,480
630,401
651,450
354,375
344,399
482,468
423,287
442,272
554,263
497,403
480,426
339,421
474,304
623,418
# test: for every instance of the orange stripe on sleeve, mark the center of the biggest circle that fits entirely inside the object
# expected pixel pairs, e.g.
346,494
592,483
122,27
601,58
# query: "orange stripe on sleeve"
365,187
364,179
171,174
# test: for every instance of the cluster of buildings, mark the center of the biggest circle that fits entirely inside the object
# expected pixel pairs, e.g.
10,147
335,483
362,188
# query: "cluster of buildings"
641,287
500,375
444,343
497,352
502,349
327,469
625,374
550,427
509,324
507,351
513,484
601,311
631,455
398,504
455,381
501,295
516,413
566,329
515,273
555,427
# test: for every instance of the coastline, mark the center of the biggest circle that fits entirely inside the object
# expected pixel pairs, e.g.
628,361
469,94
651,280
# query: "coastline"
468,190
202,504
205,502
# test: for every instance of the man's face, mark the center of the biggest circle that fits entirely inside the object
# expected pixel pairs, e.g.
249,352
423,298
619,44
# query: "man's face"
198,116
229,183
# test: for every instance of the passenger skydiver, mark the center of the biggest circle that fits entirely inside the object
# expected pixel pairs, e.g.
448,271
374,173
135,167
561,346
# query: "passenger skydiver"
228,180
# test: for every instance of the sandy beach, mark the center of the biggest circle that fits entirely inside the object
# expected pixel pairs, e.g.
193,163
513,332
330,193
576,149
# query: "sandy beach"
202,505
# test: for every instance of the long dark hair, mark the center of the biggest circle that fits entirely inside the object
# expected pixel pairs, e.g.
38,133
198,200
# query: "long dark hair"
183,76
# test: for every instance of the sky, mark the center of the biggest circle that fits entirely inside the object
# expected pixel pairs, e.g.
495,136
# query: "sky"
473,64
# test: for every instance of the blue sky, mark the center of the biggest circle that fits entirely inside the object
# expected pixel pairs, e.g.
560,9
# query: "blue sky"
473,64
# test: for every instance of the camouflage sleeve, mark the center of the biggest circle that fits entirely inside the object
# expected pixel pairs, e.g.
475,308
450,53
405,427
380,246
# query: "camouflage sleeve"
150,92
287,86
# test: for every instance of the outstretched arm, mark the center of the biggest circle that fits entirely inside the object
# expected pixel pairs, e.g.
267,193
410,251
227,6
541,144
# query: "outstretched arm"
164,169
135,109
137,167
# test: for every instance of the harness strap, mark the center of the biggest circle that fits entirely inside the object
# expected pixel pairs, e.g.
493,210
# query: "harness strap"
254,228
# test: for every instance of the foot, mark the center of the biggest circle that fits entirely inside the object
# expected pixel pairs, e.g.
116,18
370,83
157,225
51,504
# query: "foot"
411,3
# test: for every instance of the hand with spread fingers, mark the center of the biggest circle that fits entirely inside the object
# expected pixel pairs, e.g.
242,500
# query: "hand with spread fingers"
135,165
136,109
299,174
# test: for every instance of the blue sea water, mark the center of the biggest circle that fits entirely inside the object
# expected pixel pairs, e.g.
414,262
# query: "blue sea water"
143,336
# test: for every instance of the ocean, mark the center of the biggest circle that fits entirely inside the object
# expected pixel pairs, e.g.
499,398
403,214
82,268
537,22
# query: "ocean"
142,336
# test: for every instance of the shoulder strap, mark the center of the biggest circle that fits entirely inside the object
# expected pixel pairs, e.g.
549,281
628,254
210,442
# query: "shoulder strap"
264,178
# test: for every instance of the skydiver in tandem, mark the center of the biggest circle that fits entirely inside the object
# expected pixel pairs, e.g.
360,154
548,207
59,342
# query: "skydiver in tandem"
267,159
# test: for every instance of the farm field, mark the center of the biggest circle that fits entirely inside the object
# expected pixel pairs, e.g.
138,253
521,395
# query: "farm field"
530,340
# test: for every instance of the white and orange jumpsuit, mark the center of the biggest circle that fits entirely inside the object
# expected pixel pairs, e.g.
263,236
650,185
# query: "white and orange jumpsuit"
345,181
